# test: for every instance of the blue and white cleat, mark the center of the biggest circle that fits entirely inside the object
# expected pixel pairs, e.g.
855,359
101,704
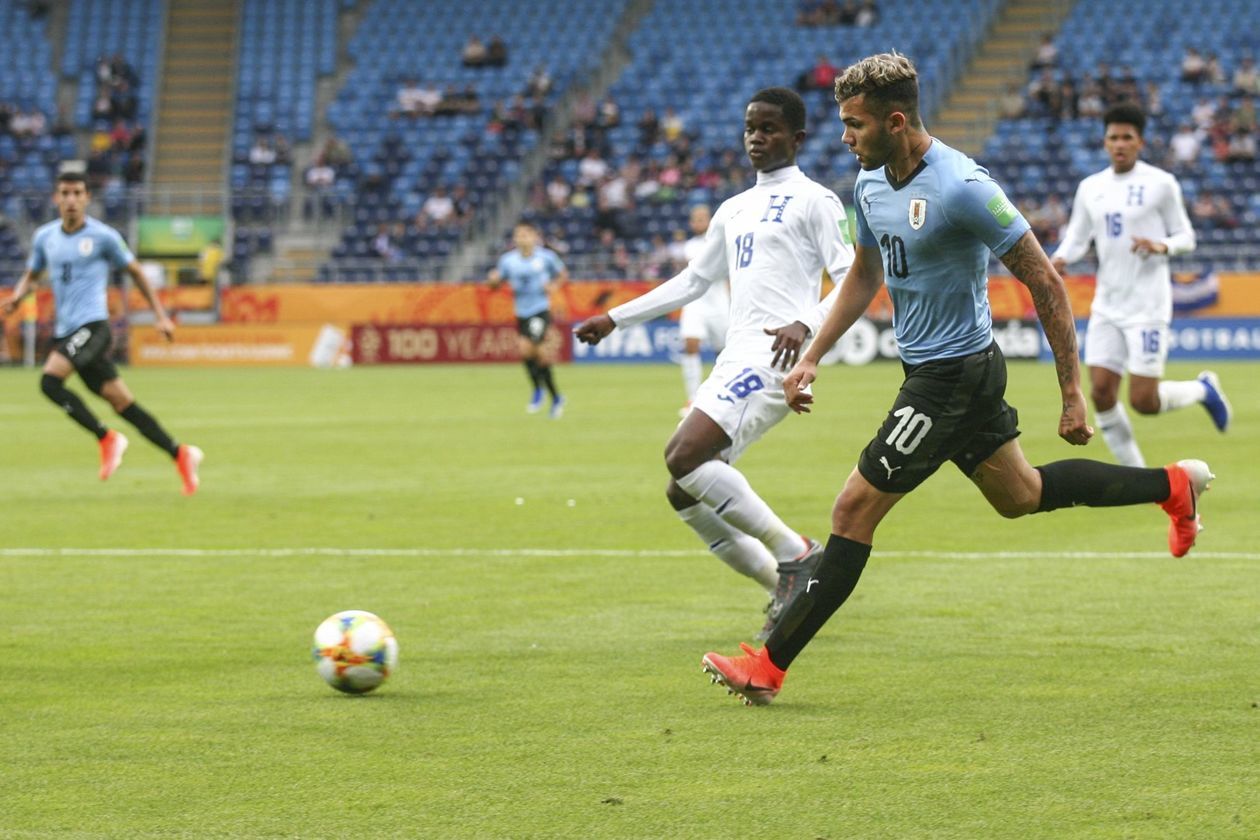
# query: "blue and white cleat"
535,402
1214,400
557,408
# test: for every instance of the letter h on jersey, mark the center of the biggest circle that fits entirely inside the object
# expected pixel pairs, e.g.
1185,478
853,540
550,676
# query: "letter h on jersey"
777,209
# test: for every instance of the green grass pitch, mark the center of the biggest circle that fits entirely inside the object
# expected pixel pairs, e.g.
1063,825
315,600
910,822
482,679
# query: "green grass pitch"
1056,676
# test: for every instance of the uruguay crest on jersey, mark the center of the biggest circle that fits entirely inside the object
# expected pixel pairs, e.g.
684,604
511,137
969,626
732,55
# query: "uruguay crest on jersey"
918,212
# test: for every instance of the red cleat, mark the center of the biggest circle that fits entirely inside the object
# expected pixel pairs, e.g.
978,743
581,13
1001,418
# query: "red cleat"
753,677
1188,479
187,462
113,445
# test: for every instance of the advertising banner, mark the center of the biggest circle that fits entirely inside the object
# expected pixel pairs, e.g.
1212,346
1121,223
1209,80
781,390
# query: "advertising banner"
322,345
177,236
373,344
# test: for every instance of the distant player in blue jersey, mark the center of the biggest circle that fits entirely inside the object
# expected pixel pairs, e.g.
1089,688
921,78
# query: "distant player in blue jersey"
529,269
927,219
78,253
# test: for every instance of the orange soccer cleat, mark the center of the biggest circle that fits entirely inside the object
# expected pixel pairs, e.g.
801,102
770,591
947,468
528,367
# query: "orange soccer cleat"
187,462
1188,480
113,445
753,677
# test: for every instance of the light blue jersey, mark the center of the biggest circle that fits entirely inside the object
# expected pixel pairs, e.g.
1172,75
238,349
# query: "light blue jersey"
935,232
78,267
528,277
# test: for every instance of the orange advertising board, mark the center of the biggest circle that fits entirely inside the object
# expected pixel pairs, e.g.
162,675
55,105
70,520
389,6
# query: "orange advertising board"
245,345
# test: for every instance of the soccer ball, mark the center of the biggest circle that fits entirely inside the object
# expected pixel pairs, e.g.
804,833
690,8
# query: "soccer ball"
354,651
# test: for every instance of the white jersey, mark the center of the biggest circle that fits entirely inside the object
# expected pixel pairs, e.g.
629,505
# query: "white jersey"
772,242
718,298
1111,208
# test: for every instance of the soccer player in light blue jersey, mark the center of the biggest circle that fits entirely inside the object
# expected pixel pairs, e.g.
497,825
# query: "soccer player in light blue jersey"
78,253
530,269
927,219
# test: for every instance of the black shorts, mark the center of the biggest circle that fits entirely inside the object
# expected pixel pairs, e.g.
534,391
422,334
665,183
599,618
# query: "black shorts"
88,348
947,410
535,326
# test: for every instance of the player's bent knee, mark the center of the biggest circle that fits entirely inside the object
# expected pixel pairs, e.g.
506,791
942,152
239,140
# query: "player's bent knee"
678,498
1145,404
52,387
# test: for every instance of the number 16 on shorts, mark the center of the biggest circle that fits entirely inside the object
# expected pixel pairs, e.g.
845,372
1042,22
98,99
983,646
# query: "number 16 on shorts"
741,385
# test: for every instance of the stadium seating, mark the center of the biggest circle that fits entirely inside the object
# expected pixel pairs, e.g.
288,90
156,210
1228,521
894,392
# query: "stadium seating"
1039,155
399,160
130,28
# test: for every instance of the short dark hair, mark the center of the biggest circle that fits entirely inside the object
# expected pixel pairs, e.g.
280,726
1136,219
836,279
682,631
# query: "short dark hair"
72,178
1129,113
788,100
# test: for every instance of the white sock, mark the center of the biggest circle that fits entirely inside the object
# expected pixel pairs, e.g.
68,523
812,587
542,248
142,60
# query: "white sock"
735,548
724,488
692,368
1117,431
1174,395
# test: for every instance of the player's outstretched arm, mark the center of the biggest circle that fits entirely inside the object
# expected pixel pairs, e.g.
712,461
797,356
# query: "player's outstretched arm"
857,290
163,322
1032,267
19,291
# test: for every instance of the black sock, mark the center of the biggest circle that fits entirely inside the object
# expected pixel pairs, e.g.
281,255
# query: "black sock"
544,376
829,586
531,368
143,420
1079,481
55,390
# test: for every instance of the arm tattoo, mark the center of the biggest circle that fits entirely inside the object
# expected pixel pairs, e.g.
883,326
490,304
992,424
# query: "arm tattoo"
1031,267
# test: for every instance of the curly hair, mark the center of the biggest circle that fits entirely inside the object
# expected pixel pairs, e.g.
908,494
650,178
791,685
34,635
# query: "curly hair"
888,79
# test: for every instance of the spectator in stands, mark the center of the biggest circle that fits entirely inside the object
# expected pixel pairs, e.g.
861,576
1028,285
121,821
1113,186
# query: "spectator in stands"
496,53
102,105
1242,147
1247,78
123,99
469,102
1203,114
1154,100
336,153
558,193
649,128
612,202
1215,73
474,52
868,15
1043,93
822,76
28,124
133,170
609,115
672,126
384,244
591,169
1211,210
1011,105
319,175
210,262
439,207
1091,103
1184,148
262,153
462,207
539,82
1194,68
1047,55
1068,101
449,105
1245,114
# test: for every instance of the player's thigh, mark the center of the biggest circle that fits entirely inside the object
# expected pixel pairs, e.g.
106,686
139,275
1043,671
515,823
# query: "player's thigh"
114,390
1147,349
1008,481
58,365
746,401
697,439
1106,346
1144,393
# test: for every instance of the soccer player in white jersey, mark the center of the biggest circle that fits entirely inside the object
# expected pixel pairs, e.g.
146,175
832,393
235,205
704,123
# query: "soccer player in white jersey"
1133,213
703,321
927,219
78,252
772,242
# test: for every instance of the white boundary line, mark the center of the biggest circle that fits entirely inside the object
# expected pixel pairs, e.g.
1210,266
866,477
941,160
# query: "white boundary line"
316,551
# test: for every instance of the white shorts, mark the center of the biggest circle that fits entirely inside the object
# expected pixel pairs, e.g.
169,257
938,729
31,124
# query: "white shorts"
1140,350
745,400
705,320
